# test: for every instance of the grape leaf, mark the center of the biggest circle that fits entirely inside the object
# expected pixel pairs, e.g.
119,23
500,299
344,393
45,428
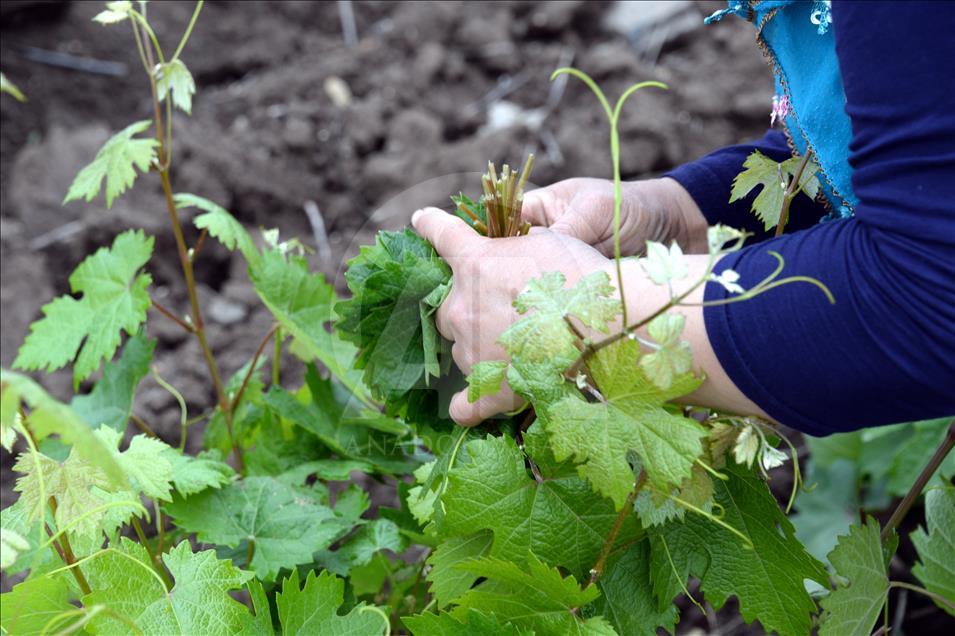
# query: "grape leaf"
287,523
30,606
81,488
115,162
396,285
199,603
537,597
485,379
358,550
220,224
468,622
543,337
767,578
313,609
12,544
114,299
600,435
853,609
489,489
173,77
115,11
15,519
674,358
70,483
302,303
448,582
111,400
627,595
936,548
760,170
50,416
191,475
144,462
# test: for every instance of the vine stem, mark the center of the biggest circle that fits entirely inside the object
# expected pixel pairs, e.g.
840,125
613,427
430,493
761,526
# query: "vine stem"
791,191
186,262
255,360
142,425
68,556
157,563
909,500
171,316
938,598
627,508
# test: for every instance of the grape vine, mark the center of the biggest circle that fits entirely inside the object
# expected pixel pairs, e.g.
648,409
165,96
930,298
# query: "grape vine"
588,511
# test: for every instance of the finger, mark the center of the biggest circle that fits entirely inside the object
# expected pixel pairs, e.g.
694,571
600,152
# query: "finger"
467,413
544,205
449,235
442,319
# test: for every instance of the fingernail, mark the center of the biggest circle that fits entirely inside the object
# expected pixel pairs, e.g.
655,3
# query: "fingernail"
417,215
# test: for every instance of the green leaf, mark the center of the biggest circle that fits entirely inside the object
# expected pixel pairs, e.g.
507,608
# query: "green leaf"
114,300
448,582
674,358
627,595
462,623
936,548
853,608
601,435
767,578
15,520
590,300
760,170
358,550
664,265
220,224
302,303
485,379
6,86
144,462
116,162
111,400
313,609
323,416
12,544
490,489
287,523
52,417
396,285
191,475
199,603
116,11
537,597
175,77
543,343
31,606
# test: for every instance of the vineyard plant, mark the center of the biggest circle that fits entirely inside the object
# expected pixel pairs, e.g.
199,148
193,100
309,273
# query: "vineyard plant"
599,506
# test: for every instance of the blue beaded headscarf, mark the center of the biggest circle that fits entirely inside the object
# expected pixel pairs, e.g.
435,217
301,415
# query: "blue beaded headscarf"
796,38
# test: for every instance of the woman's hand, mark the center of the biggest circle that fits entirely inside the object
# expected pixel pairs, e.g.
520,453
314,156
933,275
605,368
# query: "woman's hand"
488,276
655,210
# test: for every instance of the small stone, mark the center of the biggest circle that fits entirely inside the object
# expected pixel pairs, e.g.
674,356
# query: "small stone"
225,311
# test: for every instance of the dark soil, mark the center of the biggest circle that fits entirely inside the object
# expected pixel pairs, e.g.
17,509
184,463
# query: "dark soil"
420,115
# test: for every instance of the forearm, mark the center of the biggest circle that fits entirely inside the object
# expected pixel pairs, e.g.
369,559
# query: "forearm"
644,298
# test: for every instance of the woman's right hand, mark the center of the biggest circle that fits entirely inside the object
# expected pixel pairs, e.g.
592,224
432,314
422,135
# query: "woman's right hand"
652,210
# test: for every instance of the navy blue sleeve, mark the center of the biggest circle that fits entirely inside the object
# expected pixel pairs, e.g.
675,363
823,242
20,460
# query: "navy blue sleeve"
885,352
710,179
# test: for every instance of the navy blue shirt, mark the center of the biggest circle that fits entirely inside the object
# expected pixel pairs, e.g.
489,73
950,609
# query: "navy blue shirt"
885,352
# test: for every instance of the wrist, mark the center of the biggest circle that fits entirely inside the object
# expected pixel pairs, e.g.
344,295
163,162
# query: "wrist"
670,206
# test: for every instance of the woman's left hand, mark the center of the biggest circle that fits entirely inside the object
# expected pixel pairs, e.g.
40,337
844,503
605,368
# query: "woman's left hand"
488,276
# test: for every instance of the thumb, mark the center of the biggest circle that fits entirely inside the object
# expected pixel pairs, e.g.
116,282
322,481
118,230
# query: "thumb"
467,413
446,232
